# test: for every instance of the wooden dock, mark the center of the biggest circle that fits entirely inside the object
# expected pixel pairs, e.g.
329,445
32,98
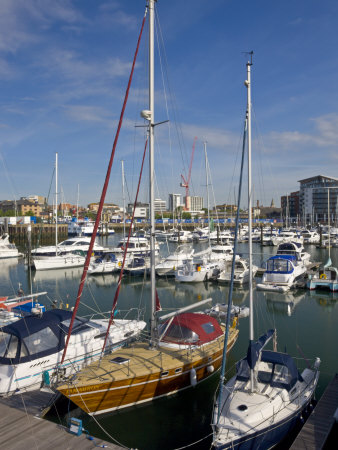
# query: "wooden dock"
22,427
317,428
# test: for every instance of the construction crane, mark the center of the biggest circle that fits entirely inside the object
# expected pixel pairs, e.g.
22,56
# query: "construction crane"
186,182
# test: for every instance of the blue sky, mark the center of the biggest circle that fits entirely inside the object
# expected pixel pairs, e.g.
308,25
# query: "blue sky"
64,66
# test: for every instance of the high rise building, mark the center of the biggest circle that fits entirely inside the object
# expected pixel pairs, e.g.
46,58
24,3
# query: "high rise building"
174,201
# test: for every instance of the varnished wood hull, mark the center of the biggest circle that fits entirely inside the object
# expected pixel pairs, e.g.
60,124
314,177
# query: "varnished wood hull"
103,388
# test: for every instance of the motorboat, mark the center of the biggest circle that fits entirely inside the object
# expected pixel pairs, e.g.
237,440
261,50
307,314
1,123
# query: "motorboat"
138,246
241,274
31,348
8,250
310,237
181,236
168,265
137,267
200,268
296,249
281,273
108,262
68,246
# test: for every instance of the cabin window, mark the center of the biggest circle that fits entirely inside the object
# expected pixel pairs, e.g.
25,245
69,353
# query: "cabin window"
281,375
208,327
165,374
8,346
76,323
179,370
177,333
42,340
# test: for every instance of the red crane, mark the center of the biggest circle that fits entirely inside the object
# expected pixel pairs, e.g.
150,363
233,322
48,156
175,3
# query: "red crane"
186,183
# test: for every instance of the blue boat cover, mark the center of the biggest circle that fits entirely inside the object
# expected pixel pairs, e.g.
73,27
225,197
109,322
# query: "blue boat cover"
36,337
255,347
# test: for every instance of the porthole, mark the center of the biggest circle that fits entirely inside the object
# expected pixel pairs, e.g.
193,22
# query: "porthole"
165,373
179,370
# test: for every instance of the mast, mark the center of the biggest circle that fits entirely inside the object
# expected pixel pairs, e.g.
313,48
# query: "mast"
251,331
207,182
151,172
77,203
56,204
124,200
328,218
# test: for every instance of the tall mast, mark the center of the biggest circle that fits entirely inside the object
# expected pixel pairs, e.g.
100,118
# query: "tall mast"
151,170
124,200
251,332
77,203
207,182
328,218
56,204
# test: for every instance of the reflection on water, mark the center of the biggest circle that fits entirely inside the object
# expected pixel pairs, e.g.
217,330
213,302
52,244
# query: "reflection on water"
325,299
283,303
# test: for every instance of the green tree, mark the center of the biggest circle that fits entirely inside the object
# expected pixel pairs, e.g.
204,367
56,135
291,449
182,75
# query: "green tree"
29,213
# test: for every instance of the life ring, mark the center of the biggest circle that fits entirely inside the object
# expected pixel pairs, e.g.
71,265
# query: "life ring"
323,276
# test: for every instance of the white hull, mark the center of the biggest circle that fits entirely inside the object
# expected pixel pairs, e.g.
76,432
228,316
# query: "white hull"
59,262
83,348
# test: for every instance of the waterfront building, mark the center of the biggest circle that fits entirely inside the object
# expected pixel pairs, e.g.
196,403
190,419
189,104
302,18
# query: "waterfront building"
313,199
290,207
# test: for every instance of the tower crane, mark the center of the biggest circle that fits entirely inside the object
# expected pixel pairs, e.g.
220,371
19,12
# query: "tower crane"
186,182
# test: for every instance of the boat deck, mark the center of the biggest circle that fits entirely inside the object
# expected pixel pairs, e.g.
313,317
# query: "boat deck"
22,426
317,428
141,361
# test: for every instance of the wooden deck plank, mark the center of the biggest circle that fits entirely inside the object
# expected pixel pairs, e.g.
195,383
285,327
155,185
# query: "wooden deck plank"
317,428
20,429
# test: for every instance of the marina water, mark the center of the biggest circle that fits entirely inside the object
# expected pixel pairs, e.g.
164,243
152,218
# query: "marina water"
306,323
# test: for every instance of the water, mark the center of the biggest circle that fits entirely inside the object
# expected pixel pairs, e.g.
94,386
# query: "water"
306,325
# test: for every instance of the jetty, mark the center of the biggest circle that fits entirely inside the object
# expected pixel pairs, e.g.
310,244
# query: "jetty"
22,426
319,425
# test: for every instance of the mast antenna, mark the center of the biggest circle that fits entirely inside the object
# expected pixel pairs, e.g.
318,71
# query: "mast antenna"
250,55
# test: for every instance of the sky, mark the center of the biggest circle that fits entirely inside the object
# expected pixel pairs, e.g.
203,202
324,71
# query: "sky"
64,68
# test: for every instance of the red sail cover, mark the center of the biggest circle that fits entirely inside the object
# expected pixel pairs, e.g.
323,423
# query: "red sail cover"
192,329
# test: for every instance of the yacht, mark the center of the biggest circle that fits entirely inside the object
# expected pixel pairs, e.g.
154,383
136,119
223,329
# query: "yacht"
31,348
181,236
68,246
200,267
296,249
241,274
281,273
8,250
168,265
138,245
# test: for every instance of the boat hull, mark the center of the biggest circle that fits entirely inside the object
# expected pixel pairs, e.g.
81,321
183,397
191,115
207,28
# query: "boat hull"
268,437
148,385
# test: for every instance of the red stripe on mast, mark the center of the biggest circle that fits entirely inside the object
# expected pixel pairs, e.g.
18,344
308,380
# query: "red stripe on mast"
117,292
103,195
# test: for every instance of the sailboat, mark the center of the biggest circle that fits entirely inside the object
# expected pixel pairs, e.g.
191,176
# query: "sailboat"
184,348
59,260
263,401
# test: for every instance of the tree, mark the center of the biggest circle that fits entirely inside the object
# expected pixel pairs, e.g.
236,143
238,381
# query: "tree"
29,213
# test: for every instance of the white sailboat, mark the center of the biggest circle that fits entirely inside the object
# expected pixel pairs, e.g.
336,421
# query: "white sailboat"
59,260
262,402
8,250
